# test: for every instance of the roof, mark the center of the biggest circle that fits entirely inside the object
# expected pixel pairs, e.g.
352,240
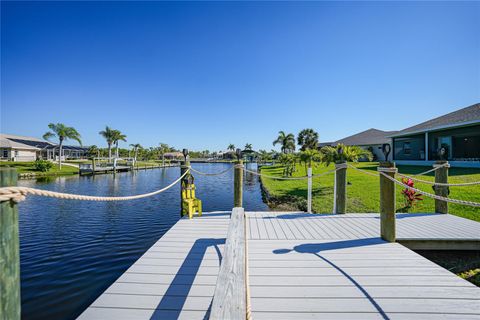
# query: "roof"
465,116
7,143
368,137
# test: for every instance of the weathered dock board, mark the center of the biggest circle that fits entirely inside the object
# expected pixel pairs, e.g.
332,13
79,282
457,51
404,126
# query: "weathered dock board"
304,266
174,279
300,266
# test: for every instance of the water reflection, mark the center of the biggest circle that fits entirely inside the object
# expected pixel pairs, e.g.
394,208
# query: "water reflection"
71,251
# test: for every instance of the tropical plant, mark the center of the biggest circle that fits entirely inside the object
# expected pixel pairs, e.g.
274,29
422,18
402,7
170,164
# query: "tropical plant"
248,146
136,147
342,153
109,135
288,160
231,147
264,156
62,132
309,156
307,139
411,197
286,141
118,136
42,165
93,151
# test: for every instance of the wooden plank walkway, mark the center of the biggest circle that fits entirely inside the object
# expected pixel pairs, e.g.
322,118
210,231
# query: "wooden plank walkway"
300,266
304,266
174,279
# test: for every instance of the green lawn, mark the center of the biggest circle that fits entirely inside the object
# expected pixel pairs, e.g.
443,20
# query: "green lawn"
28,167
363,190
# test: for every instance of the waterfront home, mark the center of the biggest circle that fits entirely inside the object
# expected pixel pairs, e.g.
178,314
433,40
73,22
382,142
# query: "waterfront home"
15,150
371,139
22,148
458,133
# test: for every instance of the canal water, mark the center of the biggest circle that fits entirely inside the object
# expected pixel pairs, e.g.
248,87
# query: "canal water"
71,251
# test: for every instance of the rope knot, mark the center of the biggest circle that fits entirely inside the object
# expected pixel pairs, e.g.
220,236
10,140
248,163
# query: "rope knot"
14,194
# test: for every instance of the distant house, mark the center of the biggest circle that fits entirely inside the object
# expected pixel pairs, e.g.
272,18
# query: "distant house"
15,150
21,148
457,132
177,155
371,139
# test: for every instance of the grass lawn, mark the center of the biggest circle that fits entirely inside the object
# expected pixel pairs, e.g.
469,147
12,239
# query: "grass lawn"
363,190
28,167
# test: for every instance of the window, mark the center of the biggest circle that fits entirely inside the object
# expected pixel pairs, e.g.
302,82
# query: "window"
5,153
406,148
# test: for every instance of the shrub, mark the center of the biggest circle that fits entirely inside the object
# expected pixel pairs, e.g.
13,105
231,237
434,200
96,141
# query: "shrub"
43,165
411,197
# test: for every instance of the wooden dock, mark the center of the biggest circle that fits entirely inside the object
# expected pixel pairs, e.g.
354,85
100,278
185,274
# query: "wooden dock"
299,266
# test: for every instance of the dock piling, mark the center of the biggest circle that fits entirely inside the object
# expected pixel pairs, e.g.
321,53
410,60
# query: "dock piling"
238,182
387,202
184,165
340,205
441,176
9,251
309,188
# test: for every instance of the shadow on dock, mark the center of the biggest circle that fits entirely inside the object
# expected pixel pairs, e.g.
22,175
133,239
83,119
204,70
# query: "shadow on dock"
316,249
177,293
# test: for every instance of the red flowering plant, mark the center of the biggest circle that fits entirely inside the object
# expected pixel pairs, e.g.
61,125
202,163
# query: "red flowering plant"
410,196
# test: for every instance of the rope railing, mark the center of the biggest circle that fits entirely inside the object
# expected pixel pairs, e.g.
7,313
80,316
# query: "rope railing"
18,194
290,178
463,184
211,174
434,196
421,180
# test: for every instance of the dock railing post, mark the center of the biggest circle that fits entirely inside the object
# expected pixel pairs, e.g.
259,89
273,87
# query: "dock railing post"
184,165
238,181
441,176
309,190
387,202
340,204
9,251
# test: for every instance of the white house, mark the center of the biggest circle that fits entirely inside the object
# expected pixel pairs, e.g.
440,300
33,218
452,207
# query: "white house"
15,150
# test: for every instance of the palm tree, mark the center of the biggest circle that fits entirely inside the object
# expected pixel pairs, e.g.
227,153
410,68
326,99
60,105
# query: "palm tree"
287,141
309,156
342,153
135,146
248,146
118,136
231,147
93,151
308,139
62,132
109,135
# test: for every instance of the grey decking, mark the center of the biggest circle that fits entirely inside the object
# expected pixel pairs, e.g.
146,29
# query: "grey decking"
174,279
419,226
301,266
335,267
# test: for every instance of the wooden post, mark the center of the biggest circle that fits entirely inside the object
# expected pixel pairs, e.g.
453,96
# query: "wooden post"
340,205
309,190
387,202
238,184
184,165
230,296
9,251
441,176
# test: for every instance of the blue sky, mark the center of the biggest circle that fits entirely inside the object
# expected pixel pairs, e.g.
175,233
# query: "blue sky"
203,75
